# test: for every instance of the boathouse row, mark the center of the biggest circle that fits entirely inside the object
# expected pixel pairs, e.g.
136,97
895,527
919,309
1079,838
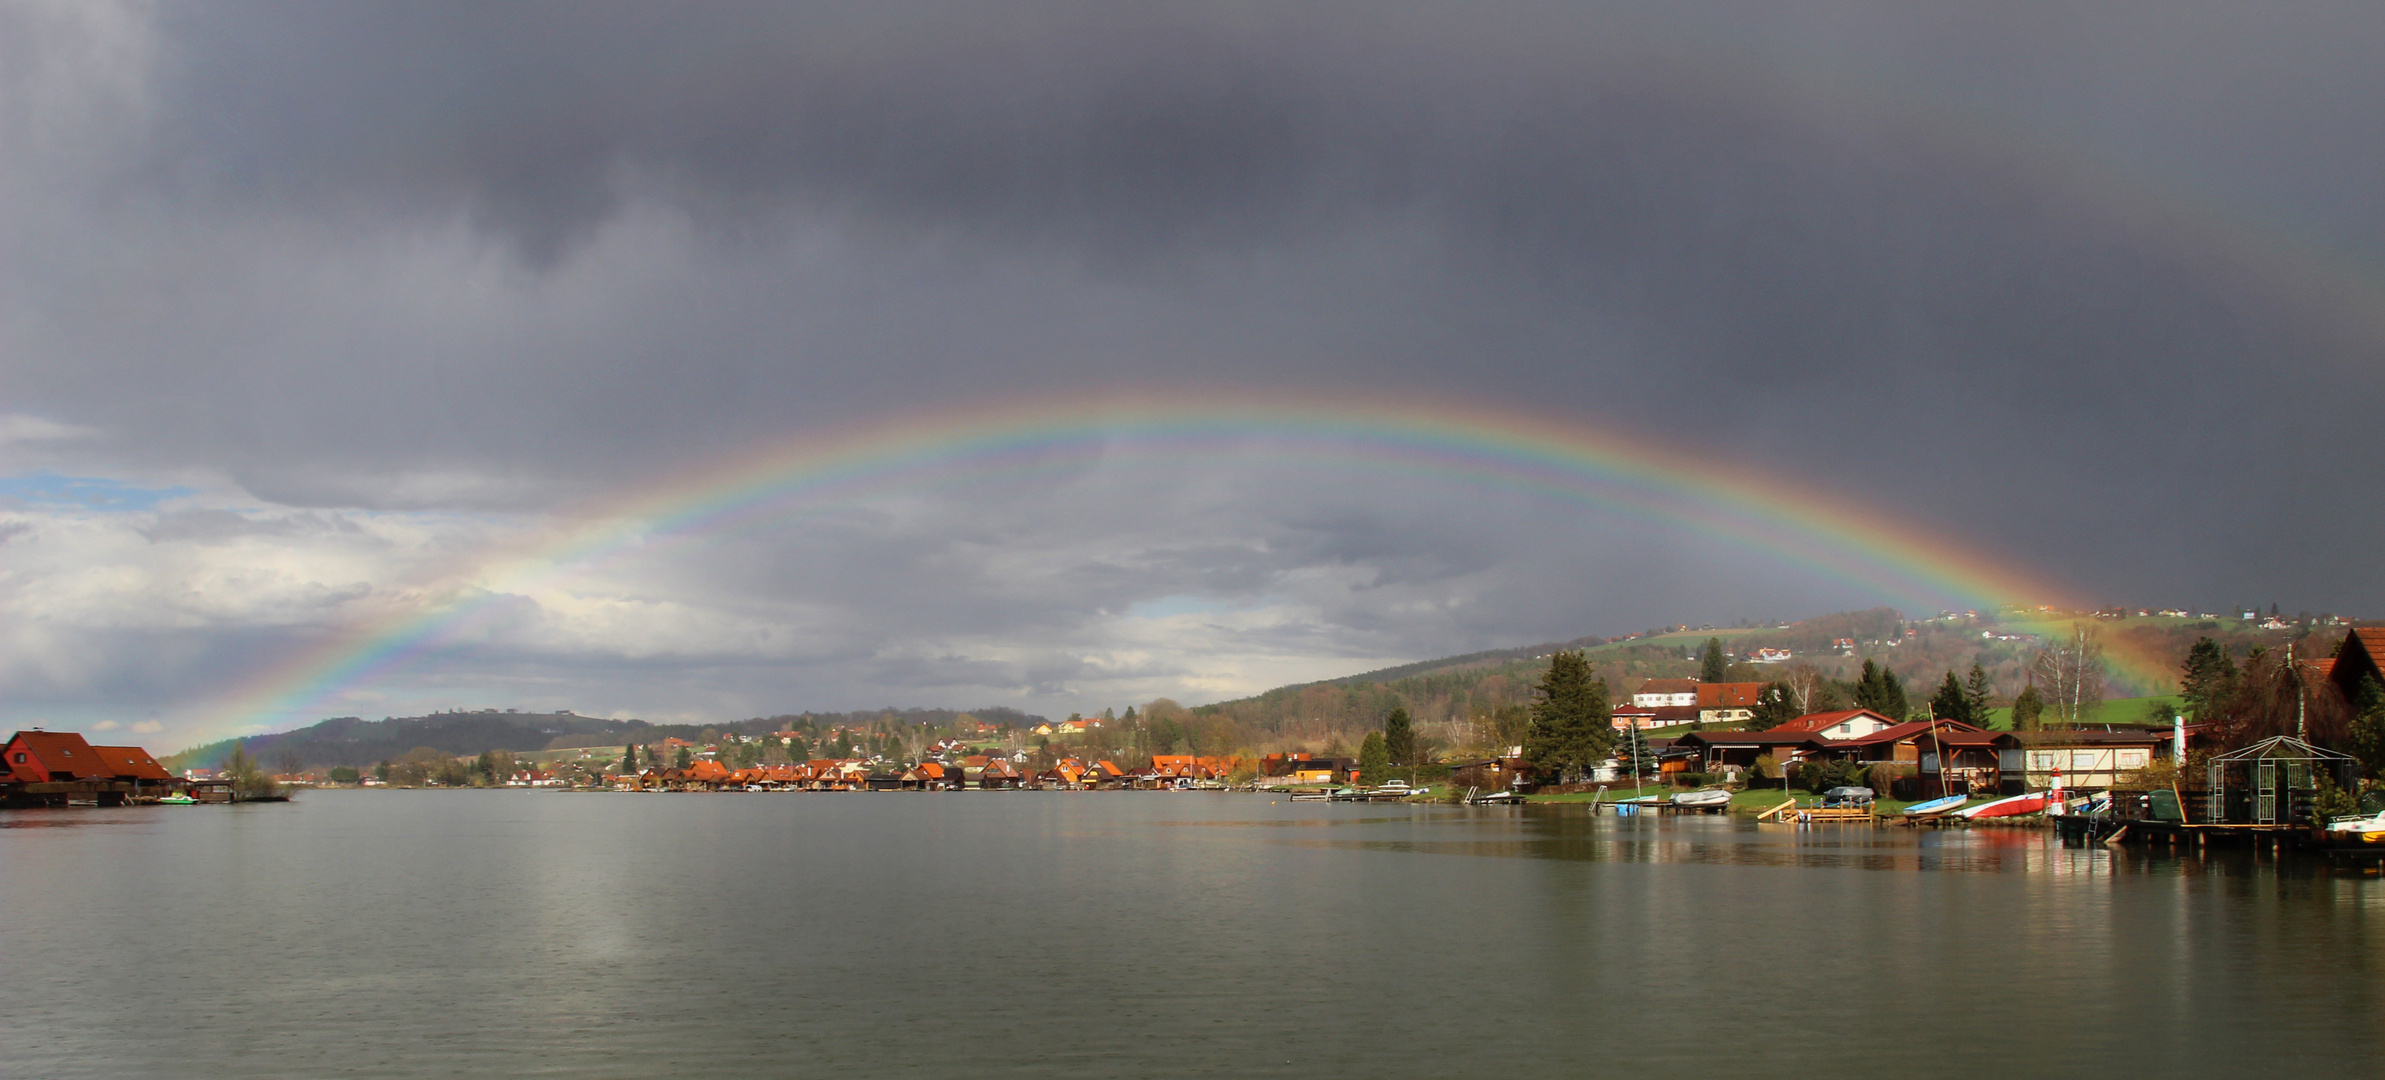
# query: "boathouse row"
40,768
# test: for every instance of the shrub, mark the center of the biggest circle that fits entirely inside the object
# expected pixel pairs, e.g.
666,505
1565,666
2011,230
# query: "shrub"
1819,776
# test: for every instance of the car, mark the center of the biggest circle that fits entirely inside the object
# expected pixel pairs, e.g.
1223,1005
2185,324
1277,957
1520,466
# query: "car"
1847,797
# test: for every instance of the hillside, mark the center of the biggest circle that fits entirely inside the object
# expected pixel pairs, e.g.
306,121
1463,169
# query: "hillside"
1478,699
359,743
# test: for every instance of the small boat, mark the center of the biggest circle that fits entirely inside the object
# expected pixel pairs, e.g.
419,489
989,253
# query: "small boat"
2015,806
1496,798
1397,789
1936,806
1708,799
177,799
1310,796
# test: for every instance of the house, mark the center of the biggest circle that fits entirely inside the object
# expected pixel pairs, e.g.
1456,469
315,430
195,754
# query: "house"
1491,774
1661,693
998,773
2086,758
1731,751
1727,702
1770,656
49,757
2360,657
1842,724
1626,717
134,764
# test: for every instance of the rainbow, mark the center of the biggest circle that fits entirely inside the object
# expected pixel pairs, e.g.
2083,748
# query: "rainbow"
1502,449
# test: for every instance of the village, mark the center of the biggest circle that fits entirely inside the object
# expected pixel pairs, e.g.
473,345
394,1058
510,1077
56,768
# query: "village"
1674,744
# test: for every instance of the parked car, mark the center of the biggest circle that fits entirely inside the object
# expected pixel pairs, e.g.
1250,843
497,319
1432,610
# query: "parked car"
1849,797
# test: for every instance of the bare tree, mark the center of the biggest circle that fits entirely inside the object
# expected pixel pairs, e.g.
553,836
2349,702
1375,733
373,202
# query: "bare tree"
1805,683
2070,675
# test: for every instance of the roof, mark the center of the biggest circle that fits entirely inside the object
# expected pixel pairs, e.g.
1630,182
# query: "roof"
1779,736
2090,737
1975,737
2362,654
1729,695
1908,729
1824,720
131,763
60,752
1668,686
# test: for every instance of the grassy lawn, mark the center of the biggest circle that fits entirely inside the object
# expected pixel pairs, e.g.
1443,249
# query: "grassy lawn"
2114,711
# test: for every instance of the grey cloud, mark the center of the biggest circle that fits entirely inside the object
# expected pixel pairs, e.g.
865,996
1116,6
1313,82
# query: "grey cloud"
2089,288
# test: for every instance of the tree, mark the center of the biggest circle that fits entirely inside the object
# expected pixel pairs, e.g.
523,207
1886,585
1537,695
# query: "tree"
1976,693
629,759
1399,738
1949,703
2027,709
2207,678
1880,691
344,775
1711,665
2368,726
1774,706
1572,726
685,758
1373,759
1632,752
2071,672
249,780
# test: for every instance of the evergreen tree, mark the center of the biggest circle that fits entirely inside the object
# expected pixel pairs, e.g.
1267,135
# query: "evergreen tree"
685,758
1893,695
1373,759
1976,694
629,759
1949,703
1632,746
1879,691
1572,726
2027,708
2368,726
1399,738
1711,666
1774,707
2207,679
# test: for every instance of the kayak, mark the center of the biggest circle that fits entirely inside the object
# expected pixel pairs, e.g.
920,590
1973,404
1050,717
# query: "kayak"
2016,806
1936,806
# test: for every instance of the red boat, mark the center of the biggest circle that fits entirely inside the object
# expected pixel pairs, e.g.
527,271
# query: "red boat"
2034,802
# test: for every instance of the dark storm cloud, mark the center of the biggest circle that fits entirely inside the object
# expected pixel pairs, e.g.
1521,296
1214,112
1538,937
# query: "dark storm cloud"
2092,289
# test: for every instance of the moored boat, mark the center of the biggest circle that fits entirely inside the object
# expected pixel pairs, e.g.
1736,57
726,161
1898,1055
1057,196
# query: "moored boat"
1936,806
1703,800
2014,806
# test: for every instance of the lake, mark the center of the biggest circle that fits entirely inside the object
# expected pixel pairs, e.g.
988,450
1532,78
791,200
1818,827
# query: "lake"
410,933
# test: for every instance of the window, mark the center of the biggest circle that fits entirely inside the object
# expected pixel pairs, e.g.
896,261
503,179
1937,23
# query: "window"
2133,759
20,757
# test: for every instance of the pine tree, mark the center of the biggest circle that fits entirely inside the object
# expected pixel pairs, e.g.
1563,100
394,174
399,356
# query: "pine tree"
1373,759
2207,679
2368,726
1893,695
1976,694
1711,666
1774,707
629,759
1399,738
1879,690
1949,703
1572,726
1632,747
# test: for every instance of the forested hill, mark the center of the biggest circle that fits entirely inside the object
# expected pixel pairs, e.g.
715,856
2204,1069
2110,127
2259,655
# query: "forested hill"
359,743
1488,689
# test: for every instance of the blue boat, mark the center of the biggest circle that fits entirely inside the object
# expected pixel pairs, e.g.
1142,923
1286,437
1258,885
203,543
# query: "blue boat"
1936,806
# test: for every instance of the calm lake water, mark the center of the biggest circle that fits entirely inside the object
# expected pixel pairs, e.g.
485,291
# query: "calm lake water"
1137,934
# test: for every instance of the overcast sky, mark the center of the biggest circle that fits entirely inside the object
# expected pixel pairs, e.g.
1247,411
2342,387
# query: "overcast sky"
306,308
